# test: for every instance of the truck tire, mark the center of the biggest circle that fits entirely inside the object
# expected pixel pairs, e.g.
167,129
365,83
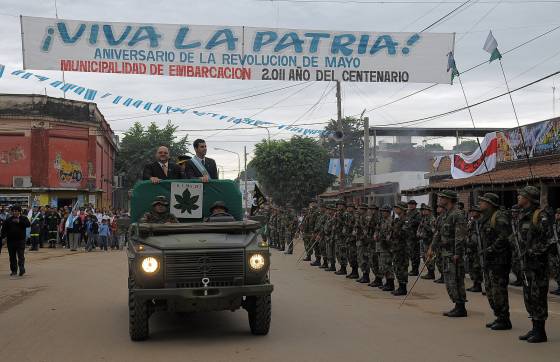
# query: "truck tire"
138,315
259,310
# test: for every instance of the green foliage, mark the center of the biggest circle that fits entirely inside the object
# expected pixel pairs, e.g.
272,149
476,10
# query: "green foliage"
429,147
186,202
466,146
293,171
138,147
353,129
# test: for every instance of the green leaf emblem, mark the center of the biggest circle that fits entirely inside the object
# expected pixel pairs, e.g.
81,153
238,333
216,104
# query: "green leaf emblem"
186,202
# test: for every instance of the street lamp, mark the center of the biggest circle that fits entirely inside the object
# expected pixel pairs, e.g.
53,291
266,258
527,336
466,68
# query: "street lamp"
267,130
238,159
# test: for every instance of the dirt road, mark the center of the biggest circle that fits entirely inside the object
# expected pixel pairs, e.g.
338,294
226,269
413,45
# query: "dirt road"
73,307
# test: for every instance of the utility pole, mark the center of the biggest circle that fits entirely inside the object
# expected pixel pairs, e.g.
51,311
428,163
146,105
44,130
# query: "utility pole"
245,167
341,144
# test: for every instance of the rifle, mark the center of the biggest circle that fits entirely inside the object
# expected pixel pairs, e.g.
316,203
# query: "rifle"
481,247
521,257
556,239
416,280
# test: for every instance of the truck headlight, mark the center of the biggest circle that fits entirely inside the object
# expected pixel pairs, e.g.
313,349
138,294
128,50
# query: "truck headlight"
256,261
150,265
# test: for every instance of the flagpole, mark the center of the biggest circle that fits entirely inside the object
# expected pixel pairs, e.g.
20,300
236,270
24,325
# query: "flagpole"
517,119
474,126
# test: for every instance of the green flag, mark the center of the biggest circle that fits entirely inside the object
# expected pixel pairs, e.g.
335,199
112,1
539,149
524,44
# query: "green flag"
451,66
491,46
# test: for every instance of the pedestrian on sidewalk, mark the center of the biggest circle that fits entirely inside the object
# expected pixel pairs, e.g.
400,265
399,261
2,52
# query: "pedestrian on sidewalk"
104,234
74,228
14,230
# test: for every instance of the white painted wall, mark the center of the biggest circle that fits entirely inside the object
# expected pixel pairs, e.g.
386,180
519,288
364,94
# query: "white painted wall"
406,180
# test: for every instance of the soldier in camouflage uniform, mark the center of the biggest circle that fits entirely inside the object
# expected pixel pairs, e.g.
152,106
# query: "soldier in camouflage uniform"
351,248
273,227
307,226
491,232
372,223
339,236
555,259
383,246
425,234
160,212
399,247
473,260
319,237
515,267
291,226
362,242
531,240
451,238
318,246
436,248
329,239
413,219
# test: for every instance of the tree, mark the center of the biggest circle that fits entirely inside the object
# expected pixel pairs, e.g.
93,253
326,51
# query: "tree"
293,171
138,147
429,147
353,129
467,146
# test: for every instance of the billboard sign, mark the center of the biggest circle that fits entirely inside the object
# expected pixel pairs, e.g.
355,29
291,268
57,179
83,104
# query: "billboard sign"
235,52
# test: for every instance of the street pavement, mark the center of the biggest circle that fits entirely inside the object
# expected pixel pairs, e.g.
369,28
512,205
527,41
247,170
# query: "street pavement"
73,307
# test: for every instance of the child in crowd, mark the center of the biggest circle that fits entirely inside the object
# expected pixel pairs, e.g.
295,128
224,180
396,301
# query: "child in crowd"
104,234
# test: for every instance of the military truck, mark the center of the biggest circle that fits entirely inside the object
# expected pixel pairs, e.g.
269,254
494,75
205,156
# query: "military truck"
198,264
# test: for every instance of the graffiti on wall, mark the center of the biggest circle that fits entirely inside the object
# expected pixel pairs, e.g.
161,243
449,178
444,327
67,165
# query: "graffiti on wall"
69,172
540,139
11,155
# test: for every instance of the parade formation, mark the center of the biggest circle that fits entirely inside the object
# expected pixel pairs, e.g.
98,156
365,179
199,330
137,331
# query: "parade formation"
386,245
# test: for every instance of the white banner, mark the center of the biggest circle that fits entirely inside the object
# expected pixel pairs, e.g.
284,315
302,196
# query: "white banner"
477,163
235,52
186,200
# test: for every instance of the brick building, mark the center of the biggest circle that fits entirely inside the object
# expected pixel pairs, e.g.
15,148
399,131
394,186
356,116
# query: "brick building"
54,151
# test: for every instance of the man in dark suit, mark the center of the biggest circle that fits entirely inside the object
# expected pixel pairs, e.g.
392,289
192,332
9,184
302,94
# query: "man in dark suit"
162,169
200,166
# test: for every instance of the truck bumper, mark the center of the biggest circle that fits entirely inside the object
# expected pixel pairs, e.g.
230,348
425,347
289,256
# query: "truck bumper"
201,294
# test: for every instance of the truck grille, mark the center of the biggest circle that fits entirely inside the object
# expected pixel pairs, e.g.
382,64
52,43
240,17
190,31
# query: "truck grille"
186,269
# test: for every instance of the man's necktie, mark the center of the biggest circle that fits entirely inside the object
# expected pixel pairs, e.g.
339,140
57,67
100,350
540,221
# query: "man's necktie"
165,169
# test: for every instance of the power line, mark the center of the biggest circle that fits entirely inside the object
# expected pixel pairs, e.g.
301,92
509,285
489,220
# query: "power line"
407,2
445,16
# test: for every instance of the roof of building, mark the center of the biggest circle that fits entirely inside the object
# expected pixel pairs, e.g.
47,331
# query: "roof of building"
356,189
515,172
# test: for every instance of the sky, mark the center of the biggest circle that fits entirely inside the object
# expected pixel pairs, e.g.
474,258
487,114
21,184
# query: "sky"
512,23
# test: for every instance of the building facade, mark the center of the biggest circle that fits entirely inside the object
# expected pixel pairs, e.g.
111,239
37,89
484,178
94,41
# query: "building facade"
55,151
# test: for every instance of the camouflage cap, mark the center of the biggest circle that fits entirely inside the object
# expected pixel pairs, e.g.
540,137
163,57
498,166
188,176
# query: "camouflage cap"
423,206
531,193
218,204
386,208
412,202
448,194
401,205
160,200
491,198
373,207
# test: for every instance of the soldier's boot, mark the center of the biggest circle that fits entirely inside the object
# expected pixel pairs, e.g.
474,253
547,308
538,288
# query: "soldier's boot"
440,280
317,262
451,311
401,290
476,288
341,271
389,285
460,311
490,324
528,334
307,258
377,282
429,276
413,272
556,292
332,267
325,264
501,324
539,334
353,274
364,279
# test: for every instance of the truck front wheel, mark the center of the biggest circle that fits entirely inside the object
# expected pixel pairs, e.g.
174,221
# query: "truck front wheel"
259,309
138,315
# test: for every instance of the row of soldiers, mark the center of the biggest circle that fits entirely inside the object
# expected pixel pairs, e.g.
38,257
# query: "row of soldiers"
386,241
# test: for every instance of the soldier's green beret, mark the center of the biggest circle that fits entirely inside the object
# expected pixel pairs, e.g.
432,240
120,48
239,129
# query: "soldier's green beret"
160,200
491,198
531,193
401,205
448,194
